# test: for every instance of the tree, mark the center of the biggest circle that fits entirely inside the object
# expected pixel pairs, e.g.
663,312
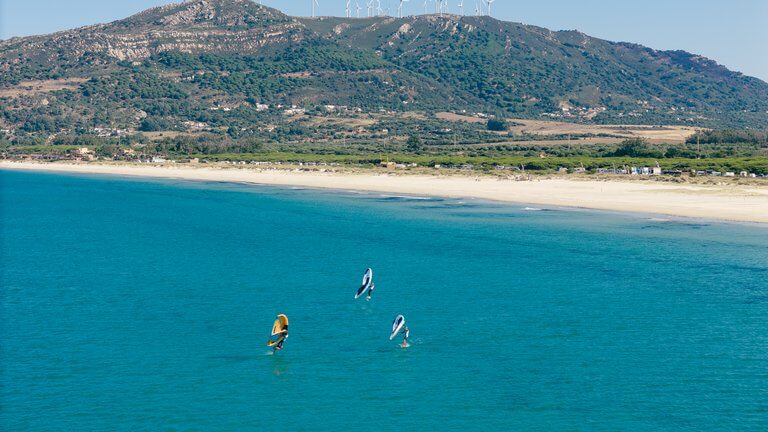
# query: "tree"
497,125
106,150
149,125
637,147
413,144
250,145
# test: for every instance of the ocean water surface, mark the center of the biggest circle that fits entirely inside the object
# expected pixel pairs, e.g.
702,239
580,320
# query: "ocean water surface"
132,304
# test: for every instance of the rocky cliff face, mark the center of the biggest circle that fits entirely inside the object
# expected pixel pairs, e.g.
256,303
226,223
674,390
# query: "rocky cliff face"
194,26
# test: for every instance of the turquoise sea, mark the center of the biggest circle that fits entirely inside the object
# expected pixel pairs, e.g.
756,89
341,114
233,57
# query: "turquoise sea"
145,305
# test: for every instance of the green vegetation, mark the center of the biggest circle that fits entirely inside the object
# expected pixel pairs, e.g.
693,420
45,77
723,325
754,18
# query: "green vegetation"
638,147
414,144
533,156
497,125
421,64
758,165
729,136
524,70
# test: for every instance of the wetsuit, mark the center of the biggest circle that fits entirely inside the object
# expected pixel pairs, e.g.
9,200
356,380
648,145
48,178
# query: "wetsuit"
279,346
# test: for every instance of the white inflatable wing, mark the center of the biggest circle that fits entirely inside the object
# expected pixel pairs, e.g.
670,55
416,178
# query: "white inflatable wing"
397,324
367,282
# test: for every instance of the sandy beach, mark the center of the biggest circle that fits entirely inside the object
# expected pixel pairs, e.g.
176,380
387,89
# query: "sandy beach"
730,202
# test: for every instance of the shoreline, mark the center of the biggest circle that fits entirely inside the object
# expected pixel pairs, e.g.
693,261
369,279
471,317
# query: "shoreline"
730,202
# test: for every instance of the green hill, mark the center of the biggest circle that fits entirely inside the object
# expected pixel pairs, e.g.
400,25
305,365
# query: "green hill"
180,63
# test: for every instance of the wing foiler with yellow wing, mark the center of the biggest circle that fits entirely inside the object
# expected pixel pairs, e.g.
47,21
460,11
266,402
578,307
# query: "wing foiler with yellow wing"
279,333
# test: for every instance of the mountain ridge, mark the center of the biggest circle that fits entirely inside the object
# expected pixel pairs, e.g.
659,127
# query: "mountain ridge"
209,51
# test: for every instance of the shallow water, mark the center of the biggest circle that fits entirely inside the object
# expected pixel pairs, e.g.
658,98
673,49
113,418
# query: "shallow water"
146,304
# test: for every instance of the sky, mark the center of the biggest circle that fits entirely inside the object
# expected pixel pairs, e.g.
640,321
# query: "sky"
732,32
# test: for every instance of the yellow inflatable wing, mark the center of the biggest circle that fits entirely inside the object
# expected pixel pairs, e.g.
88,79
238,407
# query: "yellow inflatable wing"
279,331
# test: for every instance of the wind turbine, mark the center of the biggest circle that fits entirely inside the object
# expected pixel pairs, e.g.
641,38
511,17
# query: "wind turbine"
348,10
370,7
490,2
400,8
461,7
314,3
357,6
